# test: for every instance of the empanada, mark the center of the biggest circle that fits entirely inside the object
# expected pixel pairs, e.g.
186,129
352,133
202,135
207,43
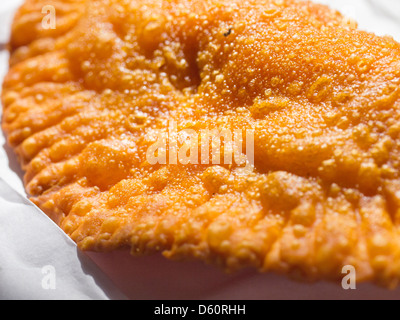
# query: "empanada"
84,102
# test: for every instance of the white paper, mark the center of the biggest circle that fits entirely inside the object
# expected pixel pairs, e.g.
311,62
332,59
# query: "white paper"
37,260
32,246
381,17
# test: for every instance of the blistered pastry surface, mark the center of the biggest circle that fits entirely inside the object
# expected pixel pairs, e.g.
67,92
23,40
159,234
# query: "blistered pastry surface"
83,103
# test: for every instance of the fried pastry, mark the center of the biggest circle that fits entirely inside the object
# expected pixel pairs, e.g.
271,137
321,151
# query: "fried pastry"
84,102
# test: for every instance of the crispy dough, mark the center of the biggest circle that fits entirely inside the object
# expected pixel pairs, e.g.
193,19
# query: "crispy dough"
81,101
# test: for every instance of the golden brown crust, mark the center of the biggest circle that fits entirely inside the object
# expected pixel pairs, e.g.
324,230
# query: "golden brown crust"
322,97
